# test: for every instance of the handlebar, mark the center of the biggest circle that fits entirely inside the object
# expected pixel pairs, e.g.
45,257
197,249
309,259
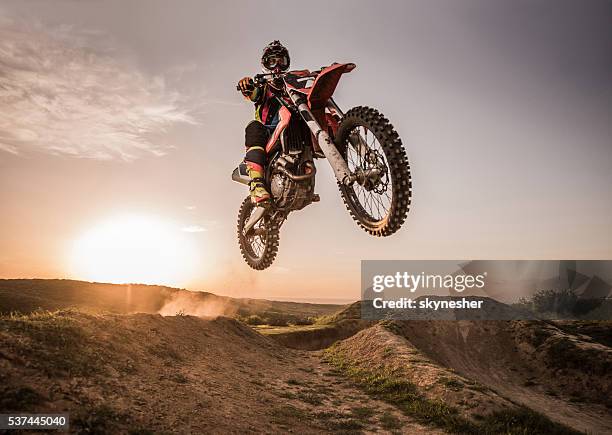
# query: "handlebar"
260,79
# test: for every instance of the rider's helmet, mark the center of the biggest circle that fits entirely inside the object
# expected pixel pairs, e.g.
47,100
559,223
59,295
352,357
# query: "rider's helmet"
275,58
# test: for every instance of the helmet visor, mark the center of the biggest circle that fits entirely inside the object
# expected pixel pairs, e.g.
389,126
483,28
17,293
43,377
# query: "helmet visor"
274,61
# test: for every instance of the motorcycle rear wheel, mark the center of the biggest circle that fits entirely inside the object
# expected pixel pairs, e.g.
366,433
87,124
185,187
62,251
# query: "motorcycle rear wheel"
379,207
260,245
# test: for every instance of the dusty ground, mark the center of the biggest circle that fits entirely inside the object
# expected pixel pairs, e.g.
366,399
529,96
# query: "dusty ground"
144,373
178,374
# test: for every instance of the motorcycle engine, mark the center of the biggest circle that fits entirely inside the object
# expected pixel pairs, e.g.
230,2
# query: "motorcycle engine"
287,193
282,189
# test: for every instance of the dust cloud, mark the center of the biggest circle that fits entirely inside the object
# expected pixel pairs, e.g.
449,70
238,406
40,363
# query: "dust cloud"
193,304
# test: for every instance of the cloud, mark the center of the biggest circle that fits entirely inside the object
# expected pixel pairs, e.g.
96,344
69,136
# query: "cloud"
63,94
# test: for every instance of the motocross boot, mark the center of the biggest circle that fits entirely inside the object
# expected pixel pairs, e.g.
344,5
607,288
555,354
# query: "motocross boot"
259,194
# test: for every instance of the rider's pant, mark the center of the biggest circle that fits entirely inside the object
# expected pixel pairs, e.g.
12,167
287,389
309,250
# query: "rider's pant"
256,137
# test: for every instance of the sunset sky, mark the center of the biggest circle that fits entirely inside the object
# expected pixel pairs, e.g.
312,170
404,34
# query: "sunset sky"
120,126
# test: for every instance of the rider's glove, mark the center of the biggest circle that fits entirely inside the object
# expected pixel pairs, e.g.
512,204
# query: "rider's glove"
247,87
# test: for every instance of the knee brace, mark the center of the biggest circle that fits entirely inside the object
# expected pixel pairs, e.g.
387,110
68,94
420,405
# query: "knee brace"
255,134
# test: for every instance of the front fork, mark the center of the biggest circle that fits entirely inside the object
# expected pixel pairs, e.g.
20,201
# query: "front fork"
335,159
358,143
355,139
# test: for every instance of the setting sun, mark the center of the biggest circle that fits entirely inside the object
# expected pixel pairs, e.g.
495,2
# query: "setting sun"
134,249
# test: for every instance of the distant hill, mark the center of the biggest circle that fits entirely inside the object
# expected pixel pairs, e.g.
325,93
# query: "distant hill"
27,295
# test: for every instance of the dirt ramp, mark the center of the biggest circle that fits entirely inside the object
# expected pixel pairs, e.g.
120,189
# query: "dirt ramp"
119,372
379,351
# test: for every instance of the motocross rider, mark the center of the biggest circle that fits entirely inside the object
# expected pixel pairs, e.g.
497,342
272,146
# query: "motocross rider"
275,59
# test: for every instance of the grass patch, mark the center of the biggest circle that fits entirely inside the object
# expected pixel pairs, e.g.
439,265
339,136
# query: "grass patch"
55,343
363,414
287,414
345,425
286,395
310,397
389,421
392,326
403,394
452,384
338,422
523,421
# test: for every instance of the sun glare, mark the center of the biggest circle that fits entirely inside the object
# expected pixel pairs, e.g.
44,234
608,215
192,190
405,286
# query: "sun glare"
135,249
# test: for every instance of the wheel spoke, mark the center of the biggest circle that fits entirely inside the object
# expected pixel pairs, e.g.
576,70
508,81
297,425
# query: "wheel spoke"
375,200
256,243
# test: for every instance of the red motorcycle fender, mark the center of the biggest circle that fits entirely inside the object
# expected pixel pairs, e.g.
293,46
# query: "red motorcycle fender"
325,84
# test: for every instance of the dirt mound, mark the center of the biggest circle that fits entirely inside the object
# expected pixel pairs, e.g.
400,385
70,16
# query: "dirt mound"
529,362
352,311
119,373
482,377
378,348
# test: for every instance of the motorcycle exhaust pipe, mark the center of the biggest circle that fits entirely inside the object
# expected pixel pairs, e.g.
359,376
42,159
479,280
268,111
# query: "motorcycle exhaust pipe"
294,177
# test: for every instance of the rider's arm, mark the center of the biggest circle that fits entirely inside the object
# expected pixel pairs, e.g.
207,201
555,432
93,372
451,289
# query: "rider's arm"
256,94
249,90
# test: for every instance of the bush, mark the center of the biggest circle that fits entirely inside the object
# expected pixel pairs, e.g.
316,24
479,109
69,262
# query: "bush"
277,321
303,321
551,301
254,319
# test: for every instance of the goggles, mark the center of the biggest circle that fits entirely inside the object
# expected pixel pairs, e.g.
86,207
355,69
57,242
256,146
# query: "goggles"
276,61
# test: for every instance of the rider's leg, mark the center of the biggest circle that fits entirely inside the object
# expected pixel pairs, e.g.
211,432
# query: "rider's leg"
256,137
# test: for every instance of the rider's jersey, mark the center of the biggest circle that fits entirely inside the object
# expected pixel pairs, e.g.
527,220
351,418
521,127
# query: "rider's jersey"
266,106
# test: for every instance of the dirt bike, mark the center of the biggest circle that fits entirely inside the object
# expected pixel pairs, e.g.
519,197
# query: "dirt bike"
362,147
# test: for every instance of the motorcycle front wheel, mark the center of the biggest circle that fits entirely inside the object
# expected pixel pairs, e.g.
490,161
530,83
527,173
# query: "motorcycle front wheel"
379,200
260,245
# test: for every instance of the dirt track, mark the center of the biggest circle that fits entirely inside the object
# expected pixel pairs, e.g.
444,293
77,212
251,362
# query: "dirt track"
187,374
179,374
